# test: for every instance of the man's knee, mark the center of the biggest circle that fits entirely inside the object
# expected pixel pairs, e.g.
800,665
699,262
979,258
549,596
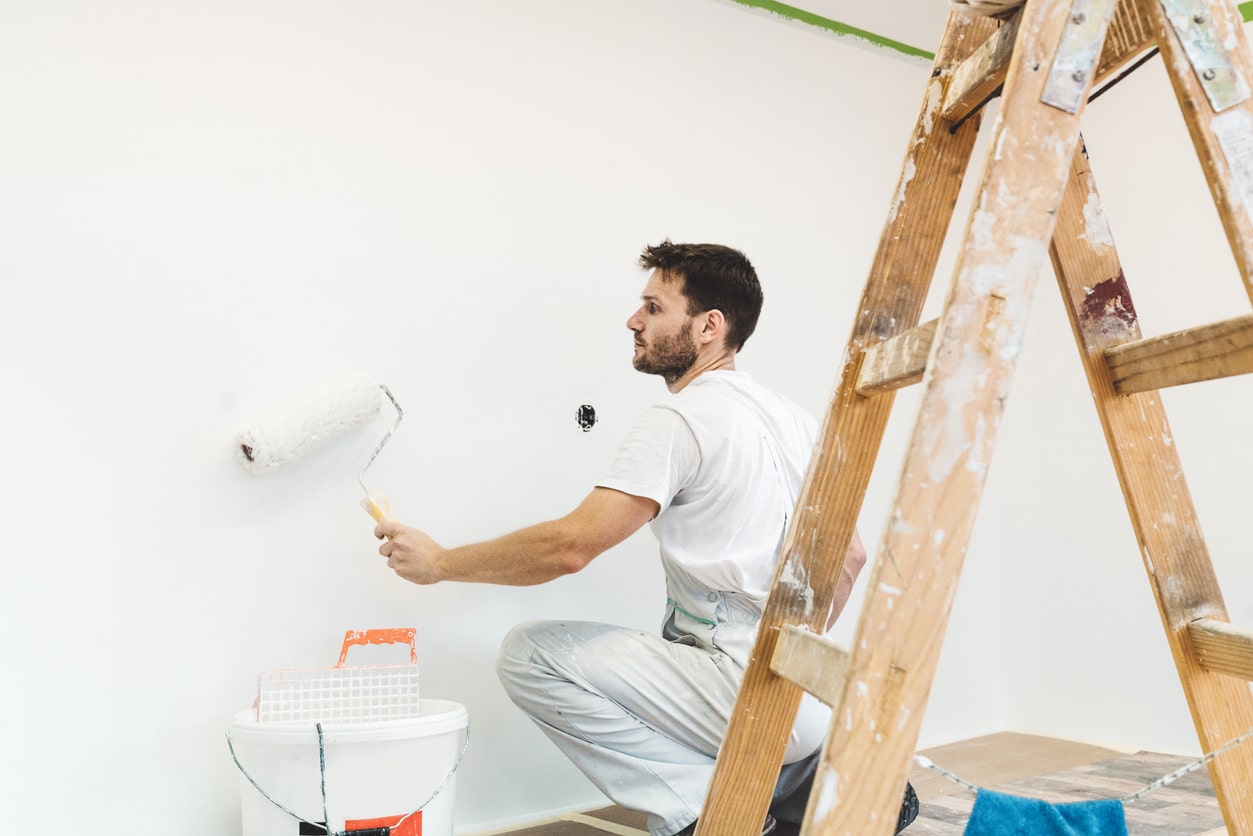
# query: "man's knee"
515,663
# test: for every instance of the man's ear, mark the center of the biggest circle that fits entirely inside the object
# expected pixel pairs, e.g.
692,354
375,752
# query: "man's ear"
713,326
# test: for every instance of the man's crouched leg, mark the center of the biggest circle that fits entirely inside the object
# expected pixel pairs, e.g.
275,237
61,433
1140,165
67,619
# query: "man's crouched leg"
605,696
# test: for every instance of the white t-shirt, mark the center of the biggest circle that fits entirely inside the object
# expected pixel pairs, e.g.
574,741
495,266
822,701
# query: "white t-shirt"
725,459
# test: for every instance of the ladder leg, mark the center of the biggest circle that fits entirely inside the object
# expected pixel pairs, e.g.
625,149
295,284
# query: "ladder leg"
1207,57
862,774
826,515
1147,461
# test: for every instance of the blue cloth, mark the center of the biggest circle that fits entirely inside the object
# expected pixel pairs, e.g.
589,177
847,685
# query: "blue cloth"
997,814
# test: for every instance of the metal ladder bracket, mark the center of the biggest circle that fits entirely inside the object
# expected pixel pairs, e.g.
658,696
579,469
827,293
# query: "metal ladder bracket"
1077,54
1209,56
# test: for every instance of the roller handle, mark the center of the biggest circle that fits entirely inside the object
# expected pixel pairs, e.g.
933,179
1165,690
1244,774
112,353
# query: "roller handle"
376,505
393,635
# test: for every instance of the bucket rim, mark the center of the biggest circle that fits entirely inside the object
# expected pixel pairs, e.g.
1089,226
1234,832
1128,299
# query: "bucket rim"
436,717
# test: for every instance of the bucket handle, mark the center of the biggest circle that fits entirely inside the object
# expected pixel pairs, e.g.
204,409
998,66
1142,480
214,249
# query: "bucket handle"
393,635
322,770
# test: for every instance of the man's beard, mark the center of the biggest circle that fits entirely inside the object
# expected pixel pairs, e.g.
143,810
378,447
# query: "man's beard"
670,356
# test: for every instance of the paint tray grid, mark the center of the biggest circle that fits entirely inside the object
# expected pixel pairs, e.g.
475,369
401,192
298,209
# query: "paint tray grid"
340,695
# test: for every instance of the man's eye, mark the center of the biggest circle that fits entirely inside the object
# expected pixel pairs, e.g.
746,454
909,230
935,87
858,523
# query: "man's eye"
652,309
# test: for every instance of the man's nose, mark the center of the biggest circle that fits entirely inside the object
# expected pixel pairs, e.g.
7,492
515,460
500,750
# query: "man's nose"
635,323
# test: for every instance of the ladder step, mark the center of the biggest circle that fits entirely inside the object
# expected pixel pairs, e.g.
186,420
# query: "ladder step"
977,79
981,76
811,661
896,362
1223,349
1222,648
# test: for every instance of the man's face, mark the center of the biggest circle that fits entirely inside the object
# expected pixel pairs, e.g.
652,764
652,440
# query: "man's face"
664,340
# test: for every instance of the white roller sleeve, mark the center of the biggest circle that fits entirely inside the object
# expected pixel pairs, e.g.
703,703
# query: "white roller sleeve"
994,8
295,428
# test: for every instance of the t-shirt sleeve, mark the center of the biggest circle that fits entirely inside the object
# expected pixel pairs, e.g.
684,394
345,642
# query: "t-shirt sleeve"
658,458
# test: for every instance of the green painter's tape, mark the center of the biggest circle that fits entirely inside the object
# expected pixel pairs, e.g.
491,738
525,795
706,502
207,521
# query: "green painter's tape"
793,13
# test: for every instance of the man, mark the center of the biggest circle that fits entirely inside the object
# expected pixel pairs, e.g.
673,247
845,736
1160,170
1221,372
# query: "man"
716,469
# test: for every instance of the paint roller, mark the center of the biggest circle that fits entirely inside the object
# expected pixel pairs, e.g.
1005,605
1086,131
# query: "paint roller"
294,429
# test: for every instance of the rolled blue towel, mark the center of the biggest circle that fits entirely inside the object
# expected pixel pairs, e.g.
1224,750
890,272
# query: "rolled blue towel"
997,814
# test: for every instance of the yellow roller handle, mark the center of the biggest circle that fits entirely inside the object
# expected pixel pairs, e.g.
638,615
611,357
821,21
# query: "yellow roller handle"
377,506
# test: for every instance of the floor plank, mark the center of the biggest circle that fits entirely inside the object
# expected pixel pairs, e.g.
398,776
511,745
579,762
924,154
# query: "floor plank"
1187,807
1001,758
1056,771
619,815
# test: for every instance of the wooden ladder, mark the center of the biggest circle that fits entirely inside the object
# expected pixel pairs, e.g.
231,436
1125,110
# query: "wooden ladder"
1037,200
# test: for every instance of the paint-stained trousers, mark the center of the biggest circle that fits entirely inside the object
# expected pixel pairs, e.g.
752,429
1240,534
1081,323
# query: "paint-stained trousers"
641,715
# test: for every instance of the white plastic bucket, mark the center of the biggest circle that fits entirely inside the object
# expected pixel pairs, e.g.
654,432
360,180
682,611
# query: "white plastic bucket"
375,772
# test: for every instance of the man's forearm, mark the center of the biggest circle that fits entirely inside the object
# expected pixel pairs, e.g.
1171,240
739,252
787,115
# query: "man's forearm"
528,556
525,557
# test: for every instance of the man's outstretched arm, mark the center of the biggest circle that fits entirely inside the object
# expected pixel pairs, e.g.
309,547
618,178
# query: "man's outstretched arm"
527,556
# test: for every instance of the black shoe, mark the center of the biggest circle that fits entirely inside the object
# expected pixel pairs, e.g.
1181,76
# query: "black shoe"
909,808
766,827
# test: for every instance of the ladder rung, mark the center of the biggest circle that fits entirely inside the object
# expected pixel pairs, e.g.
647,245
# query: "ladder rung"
811,661
1222,648
978,78
1223,349
1131,32
896,362
981,75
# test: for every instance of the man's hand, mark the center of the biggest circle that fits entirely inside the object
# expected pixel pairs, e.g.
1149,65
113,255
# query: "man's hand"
410,553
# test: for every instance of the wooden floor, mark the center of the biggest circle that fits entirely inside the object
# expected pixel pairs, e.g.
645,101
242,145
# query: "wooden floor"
1038,767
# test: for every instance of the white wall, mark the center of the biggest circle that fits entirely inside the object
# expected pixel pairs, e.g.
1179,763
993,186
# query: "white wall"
207,207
